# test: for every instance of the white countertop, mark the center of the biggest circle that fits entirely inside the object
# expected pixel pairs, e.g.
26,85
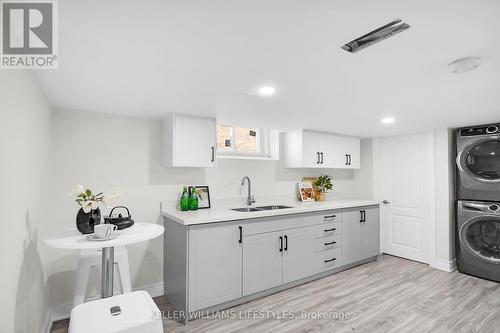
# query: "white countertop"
72,239
222,214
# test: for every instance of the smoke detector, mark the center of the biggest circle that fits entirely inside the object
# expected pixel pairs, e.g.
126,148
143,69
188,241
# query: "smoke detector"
463,65
375,36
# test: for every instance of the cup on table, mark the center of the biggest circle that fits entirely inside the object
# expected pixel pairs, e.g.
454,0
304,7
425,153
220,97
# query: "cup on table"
103,231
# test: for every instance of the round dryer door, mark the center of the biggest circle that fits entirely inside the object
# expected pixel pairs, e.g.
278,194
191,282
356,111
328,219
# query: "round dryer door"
482,160
481,236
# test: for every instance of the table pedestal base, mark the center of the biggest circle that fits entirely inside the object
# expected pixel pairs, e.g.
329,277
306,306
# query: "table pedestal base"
108,268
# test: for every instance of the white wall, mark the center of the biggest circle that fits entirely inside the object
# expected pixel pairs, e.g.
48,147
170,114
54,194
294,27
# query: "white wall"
102,150
24,149
445,196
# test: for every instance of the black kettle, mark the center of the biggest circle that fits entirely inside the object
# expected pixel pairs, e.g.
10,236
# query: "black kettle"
122,222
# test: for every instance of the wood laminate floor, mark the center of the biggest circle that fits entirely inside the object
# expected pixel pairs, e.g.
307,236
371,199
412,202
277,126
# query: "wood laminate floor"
390,295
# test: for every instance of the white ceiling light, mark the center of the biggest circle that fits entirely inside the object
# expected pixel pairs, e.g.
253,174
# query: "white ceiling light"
463,65
263,91
387,120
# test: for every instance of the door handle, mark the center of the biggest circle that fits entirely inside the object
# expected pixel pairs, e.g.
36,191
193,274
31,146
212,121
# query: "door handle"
281,244
286,243
241,234
386,202
213,153
321,158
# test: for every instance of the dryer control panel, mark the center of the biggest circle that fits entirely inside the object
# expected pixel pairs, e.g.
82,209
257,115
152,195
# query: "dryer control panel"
480,130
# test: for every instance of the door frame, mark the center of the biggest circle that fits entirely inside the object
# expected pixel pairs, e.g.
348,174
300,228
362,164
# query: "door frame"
430,205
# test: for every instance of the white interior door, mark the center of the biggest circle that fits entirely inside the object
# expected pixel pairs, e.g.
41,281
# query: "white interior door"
404,180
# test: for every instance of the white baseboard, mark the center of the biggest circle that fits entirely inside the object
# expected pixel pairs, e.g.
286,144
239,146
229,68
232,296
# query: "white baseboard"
62,311
444,265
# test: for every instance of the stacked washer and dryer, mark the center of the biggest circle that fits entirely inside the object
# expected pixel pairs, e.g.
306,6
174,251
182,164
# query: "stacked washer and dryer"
478,204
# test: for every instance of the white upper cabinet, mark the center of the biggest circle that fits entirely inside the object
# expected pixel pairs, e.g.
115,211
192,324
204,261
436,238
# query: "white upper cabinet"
189,141
314,149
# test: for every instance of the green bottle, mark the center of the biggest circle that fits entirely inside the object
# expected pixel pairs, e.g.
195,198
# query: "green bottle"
193,199
184,199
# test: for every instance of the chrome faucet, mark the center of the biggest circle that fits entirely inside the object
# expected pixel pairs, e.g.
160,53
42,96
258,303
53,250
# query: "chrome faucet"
250,198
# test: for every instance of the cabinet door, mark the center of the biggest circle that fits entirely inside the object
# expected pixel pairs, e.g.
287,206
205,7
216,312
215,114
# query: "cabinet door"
352,240
331,150
311,149
371,232
215,266
348,152
299,255
193,141
262,262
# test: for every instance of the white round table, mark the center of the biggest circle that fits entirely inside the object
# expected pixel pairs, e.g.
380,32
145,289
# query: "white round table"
72,239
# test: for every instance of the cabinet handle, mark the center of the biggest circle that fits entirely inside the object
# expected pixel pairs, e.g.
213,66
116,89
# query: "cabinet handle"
363,216
331,243
213,153
281,244
321,158
332,229
346,159
327,217
330,260
286,243
317,158
349,159
360,216
241,234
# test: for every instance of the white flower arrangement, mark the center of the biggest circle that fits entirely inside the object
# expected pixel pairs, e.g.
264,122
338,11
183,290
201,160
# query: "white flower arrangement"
90,201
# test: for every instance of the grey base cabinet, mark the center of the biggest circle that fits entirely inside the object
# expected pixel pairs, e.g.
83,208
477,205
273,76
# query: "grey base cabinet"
218,264
361,234
262,262
215,266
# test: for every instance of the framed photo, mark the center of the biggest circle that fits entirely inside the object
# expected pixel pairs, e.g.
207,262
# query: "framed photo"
204,196
306,191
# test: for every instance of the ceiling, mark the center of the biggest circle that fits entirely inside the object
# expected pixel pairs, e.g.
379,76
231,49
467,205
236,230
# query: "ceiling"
148,58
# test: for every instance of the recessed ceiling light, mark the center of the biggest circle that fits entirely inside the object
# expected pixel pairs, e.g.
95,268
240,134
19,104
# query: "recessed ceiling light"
387,120
263,91
266,91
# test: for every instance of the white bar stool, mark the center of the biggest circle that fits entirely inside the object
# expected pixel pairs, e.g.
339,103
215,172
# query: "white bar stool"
92,258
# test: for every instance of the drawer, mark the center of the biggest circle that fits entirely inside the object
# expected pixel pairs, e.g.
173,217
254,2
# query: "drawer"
328,230
329,216
329,260
328,243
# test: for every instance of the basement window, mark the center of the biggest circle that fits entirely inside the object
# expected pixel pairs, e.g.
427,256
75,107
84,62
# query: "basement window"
246,143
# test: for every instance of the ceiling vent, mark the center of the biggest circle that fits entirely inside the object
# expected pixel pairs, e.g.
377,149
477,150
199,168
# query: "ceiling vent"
376,36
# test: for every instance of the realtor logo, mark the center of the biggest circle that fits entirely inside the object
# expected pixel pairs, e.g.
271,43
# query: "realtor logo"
28,35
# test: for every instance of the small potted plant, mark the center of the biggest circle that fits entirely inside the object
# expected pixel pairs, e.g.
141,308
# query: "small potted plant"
322,185
89,214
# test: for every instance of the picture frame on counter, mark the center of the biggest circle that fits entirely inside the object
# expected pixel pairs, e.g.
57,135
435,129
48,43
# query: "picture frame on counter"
204,195
305,191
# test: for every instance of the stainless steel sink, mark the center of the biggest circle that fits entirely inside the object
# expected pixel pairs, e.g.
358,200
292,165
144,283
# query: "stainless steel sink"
273,207
246,209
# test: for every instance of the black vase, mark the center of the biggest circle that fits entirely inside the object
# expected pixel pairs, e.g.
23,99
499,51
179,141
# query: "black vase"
85,221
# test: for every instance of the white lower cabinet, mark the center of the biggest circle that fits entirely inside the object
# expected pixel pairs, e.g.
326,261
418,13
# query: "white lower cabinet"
262,262
215,265
299,254
361,234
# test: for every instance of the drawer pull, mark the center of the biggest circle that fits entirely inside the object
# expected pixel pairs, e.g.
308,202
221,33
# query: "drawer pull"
330,260
331,243
329,230
330,217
